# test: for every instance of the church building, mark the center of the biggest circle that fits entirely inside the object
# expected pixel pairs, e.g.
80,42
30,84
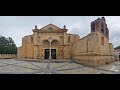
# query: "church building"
54,43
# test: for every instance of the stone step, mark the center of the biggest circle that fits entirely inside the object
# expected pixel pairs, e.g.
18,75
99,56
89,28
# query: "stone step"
47,60
56,61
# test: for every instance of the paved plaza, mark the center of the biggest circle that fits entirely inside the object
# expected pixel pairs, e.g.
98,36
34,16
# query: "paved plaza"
12,66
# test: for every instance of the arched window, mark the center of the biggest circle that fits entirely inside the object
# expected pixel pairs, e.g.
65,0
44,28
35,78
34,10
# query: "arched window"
54,43
46,43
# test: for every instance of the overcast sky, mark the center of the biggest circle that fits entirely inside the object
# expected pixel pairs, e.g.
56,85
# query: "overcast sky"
20,26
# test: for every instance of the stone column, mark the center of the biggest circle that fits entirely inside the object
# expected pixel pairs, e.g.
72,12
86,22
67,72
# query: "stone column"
50,41
50,51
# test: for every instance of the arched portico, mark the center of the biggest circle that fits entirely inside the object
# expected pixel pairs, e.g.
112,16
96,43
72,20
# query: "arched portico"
50,48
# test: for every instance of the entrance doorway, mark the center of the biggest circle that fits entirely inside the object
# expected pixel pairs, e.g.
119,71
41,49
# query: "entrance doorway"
47,51
53,53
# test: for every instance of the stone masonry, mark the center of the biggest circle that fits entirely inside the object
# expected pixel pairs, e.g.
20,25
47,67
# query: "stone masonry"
52,42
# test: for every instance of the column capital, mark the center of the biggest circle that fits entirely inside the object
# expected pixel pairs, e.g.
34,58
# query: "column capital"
50,39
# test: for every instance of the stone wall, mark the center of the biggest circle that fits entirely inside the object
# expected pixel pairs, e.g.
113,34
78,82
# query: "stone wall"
19,52
92,50
93,60
27,49
7,56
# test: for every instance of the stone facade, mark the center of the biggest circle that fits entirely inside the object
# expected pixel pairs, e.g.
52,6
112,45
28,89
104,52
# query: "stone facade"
49,37
52,42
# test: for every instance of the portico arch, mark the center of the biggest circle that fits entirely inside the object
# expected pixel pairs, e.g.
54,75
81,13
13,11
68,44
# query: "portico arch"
50,48
45,43
55,43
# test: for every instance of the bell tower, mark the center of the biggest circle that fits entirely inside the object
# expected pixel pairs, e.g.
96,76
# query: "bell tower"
101,26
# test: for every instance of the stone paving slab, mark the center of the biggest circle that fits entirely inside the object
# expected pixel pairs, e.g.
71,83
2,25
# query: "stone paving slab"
9,61
85,70
69,66
29,65
58,65
113,67
41,65
116,62
12,66
2,64
14,70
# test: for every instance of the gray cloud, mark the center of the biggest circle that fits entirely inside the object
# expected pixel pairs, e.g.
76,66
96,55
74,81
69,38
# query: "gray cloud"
20,26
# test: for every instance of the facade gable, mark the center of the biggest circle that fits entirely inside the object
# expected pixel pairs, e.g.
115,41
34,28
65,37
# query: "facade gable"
50,28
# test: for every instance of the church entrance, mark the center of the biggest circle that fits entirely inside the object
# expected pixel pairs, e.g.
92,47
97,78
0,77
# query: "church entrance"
53,53
47,51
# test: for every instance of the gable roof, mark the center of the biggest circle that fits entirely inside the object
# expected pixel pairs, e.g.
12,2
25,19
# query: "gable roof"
54,28
50,25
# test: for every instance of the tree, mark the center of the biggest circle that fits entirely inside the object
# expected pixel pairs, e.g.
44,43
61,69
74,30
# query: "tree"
7,45
3,44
